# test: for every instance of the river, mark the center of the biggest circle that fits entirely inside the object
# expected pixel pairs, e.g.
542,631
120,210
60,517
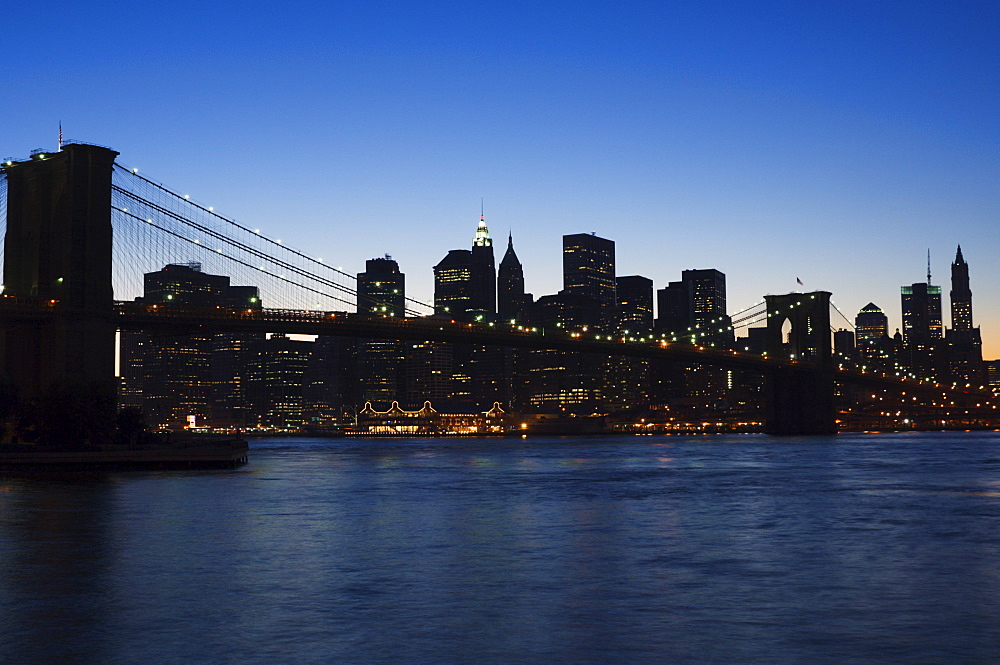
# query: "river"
857,548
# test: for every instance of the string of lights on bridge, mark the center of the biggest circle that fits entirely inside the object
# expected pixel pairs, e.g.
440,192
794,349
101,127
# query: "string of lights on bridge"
226,240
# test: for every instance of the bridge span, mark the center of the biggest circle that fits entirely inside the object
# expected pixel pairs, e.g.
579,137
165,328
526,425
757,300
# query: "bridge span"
58,318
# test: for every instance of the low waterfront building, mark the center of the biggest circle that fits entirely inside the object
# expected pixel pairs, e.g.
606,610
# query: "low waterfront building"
427,421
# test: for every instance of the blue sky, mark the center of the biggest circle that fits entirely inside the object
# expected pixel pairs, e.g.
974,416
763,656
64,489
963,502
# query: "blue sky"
834,142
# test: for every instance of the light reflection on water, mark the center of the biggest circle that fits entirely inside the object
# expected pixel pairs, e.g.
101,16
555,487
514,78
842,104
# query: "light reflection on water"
730,549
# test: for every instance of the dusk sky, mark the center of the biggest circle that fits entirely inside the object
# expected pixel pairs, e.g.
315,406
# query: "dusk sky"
833,142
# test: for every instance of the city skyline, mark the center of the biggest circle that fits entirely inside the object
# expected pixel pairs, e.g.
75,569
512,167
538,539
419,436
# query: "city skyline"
831,144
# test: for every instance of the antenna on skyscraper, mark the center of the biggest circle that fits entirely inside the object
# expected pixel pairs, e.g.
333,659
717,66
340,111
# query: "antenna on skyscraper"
60,135
928,266
482,208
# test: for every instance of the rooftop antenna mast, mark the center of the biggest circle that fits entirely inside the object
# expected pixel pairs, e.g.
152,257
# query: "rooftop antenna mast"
60,136
928,266
482,208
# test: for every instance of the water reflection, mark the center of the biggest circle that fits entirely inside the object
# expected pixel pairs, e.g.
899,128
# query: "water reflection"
632,550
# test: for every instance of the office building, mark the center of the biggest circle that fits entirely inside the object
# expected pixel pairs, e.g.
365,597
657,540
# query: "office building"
921,306
453,284
381,292
189,378
635,304
589,268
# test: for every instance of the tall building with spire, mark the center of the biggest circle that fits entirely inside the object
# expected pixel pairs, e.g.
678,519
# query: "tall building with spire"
484,272
512,301
965,345
961,294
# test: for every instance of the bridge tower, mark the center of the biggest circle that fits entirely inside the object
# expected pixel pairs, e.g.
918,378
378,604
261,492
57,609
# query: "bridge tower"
800,399
58,253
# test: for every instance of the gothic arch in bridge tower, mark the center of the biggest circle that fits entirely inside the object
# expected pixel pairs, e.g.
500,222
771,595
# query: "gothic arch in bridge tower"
800,398
809,316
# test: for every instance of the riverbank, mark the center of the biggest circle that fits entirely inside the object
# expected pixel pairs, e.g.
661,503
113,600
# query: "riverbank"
220,454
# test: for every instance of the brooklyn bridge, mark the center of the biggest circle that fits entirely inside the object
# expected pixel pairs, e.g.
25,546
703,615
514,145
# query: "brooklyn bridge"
80,227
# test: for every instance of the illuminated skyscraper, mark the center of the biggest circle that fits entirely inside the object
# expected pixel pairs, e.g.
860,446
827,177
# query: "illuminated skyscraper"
275,382
965,345
871,334
483,272
381,292
921,304
183,375
961,294
453,283
708,304
870,324
381,288
589,268
694,309
635,304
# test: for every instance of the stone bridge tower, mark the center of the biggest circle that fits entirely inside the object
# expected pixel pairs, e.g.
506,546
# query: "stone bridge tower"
800,399
57,254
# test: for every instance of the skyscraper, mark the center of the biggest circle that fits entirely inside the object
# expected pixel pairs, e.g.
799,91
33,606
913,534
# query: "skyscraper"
483,274
870,324
635,304
961,294
921,304
708,304
275,382
382,288
589,268
673,314
512,301
183,375
453,283
965,345
381,291
871,336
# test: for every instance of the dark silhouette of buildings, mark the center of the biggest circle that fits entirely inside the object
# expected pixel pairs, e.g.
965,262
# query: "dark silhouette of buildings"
626,380
176,377
276,383
694,309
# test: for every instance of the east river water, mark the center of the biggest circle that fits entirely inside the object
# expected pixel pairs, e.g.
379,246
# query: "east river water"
859,549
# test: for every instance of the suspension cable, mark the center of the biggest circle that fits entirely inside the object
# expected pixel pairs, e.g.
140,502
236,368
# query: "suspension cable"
212,213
